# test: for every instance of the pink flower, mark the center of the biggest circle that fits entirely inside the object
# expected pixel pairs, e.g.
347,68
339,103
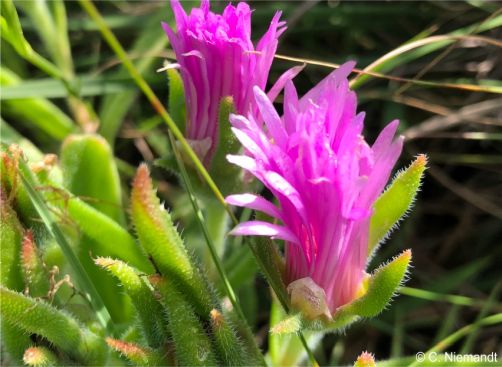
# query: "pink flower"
218,59
325,178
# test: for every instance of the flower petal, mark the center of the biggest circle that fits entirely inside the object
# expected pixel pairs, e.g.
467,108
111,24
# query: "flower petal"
283,79
254,202
271,117
258,228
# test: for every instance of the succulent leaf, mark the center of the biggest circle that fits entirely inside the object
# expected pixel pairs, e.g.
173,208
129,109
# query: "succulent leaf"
228,345
38,111
84,159
141,356
35,274
290,324
382,285
58,327
365,359
40,357
10,236
148,309
107,234
192,345
162,242
14,339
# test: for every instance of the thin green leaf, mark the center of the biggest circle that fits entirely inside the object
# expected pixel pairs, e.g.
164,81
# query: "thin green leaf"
416,49
37,111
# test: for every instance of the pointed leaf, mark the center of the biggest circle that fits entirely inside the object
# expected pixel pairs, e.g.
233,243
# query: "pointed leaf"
290,324
141,356
229,346
365,360
394,203
40,357
382,285
148,309
162,242
35,274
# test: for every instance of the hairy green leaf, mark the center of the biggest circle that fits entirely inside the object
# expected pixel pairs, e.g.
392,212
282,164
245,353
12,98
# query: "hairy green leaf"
160,239
148,309
394,203
57,326
192,345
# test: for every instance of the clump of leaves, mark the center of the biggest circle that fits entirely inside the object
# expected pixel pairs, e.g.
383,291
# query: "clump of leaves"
47,319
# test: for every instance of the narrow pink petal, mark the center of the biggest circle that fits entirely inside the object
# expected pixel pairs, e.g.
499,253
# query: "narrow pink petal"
271,117
179,14
332,79
281,185
254,202
258,228
385,138
381,172
243,161
279,85
239,121
249,144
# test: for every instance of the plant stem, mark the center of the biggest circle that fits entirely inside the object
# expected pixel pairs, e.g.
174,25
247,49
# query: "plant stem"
310,355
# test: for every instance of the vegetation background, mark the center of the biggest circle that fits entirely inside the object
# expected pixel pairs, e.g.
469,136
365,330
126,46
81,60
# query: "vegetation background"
446,94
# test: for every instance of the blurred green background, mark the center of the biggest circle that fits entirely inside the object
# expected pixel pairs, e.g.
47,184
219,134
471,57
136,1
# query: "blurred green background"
447,94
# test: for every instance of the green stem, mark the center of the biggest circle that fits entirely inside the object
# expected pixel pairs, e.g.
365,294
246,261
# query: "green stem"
312,359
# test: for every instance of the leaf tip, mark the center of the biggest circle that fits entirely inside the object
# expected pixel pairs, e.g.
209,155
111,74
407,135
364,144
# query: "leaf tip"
365,359
38,356
216,318
129,350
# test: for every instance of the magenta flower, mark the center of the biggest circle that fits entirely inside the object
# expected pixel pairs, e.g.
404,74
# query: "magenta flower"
218,59
325,178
